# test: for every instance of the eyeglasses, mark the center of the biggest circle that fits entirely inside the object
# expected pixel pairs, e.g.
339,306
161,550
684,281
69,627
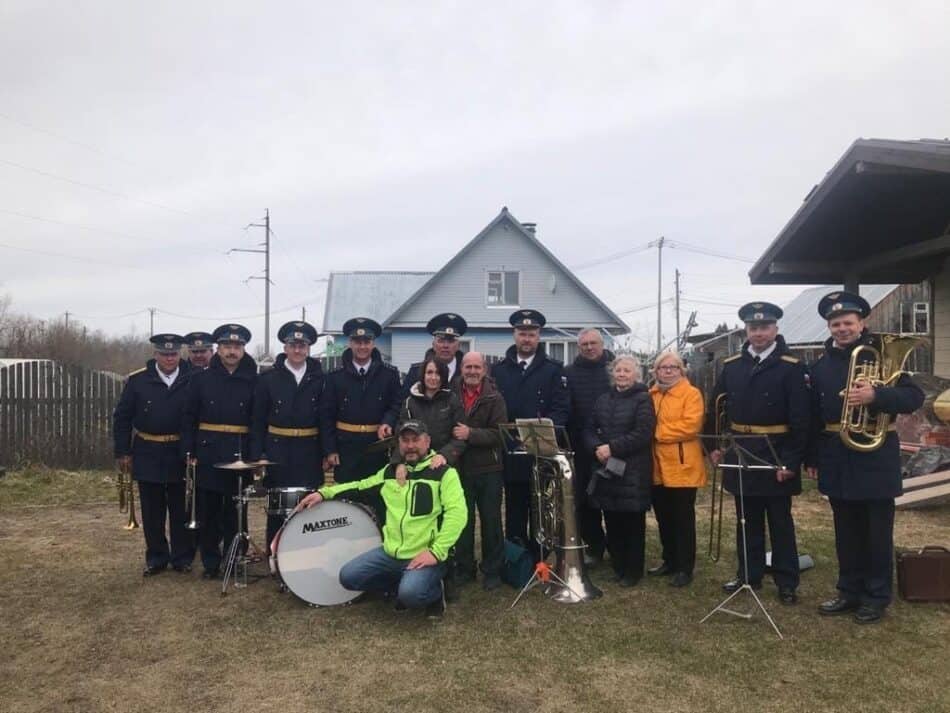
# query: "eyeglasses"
668,367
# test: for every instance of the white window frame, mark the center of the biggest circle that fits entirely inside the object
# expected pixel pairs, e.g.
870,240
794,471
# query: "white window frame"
566,358
915,308
470,341
502,270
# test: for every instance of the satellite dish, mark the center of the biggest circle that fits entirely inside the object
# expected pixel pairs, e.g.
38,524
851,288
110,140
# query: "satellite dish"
552,282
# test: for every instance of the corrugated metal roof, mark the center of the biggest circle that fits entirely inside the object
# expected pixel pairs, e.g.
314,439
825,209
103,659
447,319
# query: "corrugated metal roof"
802,323
373,294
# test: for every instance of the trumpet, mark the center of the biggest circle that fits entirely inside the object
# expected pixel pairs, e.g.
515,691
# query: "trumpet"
715,520
126,487
191,493
860,430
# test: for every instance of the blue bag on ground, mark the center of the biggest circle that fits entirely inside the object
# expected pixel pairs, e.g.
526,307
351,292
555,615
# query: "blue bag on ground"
519,565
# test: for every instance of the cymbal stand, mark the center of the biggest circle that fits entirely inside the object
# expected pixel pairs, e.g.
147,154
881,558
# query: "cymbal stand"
742,464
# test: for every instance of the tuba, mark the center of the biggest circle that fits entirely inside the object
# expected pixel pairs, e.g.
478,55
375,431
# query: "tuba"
877,365
554,518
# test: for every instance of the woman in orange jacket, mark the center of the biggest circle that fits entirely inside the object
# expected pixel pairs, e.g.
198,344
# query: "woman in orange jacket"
678,466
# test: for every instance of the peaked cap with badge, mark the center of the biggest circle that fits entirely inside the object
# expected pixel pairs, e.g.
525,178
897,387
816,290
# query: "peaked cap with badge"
447,325
836,303
231,334
362,328
297,331
167,343
527,319
199,340
760,312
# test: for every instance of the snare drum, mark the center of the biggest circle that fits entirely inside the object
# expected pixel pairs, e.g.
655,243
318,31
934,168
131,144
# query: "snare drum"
282,501
314,544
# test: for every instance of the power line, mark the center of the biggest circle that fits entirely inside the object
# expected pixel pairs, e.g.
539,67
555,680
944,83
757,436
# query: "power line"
108,317
78,258
91,228
106,191
706,251
88,147
615,256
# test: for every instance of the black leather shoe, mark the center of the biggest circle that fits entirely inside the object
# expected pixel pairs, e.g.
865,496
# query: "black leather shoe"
151,571
866,614
734,584
616,576
838,605
661,570
787,595
681,579
491,582
182,568
211,574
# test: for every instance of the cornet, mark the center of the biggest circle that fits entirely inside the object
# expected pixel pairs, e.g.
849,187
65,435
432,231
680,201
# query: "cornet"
126,487
191,492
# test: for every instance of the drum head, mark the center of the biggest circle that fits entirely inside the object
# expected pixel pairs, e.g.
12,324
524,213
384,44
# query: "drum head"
315,544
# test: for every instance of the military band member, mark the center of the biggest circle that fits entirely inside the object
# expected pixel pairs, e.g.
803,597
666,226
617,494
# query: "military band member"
215,429
766,395
146,426
360,405
861,486
533,386
286,416
445,328
200,348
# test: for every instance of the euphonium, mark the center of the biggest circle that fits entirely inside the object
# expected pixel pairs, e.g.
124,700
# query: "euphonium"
715,523
878,365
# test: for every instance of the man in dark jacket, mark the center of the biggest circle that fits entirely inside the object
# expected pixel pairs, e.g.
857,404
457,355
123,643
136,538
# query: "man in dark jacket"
286,416
861,485
533,387
200,349
587,378
445,328
360,405
151,406
215,428
481,470
766,400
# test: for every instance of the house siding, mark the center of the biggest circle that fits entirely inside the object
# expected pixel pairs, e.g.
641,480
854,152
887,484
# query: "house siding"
462,288
941,321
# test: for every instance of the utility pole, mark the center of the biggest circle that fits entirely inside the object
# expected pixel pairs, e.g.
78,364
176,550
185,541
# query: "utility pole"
677,301
303,313
266,278
659,294
67,320
151,321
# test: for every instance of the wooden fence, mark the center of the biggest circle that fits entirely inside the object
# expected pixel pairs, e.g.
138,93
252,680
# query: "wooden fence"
56,414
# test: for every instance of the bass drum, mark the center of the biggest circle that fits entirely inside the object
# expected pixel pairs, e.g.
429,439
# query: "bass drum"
315,543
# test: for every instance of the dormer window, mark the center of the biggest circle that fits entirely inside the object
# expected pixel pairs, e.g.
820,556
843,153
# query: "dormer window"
503,288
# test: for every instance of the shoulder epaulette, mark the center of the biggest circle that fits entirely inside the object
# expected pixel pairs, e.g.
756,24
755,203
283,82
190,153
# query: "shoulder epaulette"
137,371
789,358
732,358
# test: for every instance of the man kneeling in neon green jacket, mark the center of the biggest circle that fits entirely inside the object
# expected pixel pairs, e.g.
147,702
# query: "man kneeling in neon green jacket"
425,515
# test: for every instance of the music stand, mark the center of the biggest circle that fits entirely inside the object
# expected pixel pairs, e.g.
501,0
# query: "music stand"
743,463
538,438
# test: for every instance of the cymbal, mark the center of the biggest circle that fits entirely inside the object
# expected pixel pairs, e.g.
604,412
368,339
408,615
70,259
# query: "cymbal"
262,461
384,444
236,465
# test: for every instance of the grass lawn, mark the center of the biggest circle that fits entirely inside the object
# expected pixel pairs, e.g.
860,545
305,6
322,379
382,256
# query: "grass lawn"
83,631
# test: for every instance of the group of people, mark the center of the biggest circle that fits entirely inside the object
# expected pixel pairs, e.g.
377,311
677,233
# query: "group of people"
635,448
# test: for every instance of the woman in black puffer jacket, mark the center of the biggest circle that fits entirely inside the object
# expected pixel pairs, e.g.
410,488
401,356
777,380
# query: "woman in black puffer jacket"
621,427
431,401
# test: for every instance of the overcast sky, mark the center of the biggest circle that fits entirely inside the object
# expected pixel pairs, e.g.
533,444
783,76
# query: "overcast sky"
136,143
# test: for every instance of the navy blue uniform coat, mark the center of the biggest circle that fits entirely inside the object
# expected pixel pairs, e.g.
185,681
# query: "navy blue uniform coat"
149,406
844,473
217,397
280,401
774,392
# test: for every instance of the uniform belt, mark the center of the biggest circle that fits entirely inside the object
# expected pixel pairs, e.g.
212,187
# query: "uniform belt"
358,427
748,428
836,427
158,437
222,428
293,432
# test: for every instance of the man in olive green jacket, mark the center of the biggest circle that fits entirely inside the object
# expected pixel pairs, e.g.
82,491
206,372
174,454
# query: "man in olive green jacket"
425,514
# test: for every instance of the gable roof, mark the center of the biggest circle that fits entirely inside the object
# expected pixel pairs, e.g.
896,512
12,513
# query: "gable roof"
801,323
367,293
529,235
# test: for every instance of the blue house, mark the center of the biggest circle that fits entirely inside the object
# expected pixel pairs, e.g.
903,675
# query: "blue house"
503,268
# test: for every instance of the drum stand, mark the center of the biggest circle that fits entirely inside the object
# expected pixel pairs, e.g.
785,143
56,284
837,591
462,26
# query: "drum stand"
743,464
243,549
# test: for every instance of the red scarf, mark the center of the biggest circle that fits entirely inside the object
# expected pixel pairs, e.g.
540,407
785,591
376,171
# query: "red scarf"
470,396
